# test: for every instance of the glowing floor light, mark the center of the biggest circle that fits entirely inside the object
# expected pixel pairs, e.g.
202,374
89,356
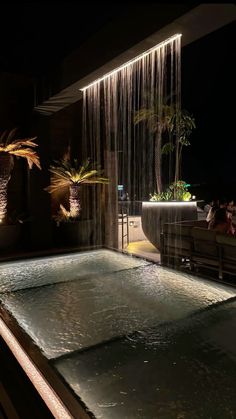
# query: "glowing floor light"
130,62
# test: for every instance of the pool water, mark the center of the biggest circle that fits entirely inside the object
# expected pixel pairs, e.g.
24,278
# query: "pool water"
131,339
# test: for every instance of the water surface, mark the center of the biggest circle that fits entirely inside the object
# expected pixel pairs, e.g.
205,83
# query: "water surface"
132,339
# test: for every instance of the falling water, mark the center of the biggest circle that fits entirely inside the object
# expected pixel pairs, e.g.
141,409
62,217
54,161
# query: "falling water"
128,151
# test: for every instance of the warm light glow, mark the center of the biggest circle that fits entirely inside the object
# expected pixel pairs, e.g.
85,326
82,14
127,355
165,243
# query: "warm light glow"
3,200
130,62
51,399
170,203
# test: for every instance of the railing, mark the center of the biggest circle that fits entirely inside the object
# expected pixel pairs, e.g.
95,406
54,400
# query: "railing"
123,220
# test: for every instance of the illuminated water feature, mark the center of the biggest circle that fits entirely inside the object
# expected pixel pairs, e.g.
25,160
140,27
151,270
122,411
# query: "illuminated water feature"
149,82
132,339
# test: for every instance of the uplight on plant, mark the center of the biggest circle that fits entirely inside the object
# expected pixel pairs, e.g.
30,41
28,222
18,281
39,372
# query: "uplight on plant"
11,147
176,191
72,175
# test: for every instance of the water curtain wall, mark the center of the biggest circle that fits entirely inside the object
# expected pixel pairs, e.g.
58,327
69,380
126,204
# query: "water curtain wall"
146,84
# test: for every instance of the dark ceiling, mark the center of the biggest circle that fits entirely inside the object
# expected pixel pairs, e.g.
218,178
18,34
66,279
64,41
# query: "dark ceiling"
36,36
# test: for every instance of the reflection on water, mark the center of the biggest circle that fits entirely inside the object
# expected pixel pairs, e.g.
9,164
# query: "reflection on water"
50,270
185,370
72,315
132,339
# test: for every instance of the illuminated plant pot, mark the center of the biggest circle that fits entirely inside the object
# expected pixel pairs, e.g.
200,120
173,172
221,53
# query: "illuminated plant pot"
156,214
78,233
9,235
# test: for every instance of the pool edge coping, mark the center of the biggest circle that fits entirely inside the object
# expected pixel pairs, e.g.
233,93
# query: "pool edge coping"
71,403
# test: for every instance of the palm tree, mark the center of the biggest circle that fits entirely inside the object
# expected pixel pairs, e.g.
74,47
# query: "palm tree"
177,124
72,175
10,147
185,124
157,122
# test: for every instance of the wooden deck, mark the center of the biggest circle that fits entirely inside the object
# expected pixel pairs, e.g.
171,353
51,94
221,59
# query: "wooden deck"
145,250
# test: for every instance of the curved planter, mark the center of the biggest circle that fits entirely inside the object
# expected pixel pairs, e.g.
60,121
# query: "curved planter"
9,235
156,214
78,233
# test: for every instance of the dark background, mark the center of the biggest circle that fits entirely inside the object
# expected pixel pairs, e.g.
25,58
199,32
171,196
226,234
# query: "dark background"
208,92
35,37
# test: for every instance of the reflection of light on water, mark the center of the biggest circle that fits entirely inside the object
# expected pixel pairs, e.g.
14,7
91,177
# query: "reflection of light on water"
142,305
48,270
198,288
104,303
164,358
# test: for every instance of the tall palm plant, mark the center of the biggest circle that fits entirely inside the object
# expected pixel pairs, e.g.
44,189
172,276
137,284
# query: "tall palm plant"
185,124
10,148
72,175
176,124
157,121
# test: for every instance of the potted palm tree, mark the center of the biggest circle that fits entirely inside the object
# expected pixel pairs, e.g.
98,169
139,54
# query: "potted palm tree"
157,121
67,174
10,147
171,129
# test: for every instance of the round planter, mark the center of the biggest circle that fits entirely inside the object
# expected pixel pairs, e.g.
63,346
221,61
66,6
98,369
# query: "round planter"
78,233
156,214
9,235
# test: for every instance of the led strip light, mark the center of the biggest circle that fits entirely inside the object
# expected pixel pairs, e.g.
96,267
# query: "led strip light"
171,204
134,60
51,399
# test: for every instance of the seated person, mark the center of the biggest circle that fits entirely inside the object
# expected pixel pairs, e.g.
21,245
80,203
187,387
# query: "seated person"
214,205
230,208
221,222
207,208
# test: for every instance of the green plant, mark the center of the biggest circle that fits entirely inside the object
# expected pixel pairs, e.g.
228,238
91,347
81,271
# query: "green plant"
163,196
10,148
181,125
72,175
157,121
175,126
176,191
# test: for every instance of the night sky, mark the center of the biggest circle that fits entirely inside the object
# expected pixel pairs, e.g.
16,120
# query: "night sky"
208,92
35,37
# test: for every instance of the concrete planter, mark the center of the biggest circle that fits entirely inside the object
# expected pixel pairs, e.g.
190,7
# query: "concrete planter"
9,235
78,233
156,214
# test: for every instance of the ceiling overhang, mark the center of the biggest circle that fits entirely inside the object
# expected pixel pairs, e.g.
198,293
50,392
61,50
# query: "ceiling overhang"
193,25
